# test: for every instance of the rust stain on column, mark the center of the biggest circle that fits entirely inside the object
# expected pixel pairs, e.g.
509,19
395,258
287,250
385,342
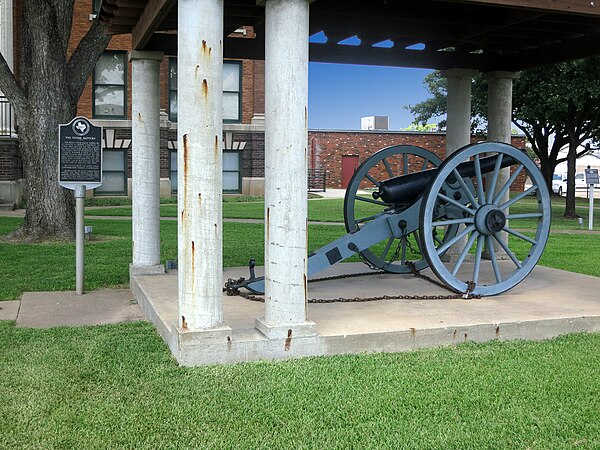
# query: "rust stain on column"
267,222
193,257
183,323
205,88
216,148
288,340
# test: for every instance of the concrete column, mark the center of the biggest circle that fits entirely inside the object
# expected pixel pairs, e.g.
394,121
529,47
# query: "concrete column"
200,161
499,123
145,183
458,126
286,156
6,48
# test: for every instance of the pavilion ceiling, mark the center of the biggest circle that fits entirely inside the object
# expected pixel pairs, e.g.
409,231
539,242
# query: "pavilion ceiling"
438,34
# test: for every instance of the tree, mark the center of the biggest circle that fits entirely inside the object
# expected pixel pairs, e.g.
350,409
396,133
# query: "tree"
554,106
44,96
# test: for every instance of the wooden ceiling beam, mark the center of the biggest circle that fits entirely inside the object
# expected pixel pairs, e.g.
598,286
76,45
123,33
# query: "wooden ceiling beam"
562,51
150,20
586,7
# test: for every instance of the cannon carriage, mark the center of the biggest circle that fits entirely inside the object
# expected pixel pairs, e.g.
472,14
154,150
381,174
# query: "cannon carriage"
452,216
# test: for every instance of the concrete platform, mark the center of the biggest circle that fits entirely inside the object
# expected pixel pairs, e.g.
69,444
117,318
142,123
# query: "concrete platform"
53,309
548,303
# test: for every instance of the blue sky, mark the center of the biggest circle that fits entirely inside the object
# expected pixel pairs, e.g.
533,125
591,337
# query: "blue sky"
340,94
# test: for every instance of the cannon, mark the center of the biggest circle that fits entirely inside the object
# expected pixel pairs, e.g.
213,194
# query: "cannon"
452,216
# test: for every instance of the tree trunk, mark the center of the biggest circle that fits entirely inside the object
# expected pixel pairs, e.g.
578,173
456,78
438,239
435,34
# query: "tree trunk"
47,96
547,170
570,212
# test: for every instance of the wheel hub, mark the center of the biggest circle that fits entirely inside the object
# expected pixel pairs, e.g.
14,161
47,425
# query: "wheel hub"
489,220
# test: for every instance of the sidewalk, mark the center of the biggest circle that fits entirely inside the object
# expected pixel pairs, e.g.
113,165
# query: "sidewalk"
65,308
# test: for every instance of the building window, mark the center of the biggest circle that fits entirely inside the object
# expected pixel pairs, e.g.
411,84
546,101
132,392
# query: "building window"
173,89
232,91
232,88
232,173
114,175
173,171
110,86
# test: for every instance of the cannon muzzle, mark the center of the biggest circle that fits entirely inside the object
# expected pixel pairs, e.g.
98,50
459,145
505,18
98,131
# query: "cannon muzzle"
408,188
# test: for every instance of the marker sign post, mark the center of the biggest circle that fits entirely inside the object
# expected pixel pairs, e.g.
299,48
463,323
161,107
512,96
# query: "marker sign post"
79,168
591,178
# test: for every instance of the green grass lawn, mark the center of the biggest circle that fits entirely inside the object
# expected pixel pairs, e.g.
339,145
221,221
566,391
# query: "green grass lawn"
50,267
117,387
332,210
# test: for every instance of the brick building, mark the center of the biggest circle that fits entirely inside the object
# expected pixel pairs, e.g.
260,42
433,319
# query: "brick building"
106,100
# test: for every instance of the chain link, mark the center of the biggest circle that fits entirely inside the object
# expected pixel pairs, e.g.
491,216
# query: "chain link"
467,295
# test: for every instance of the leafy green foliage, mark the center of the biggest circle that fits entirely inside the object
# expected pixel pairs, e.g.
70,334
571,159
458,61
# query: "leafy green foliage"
554,106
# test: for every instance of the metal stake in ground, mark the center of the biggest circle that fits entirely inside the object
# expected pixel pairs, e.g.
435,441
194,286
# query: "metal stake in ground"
79,238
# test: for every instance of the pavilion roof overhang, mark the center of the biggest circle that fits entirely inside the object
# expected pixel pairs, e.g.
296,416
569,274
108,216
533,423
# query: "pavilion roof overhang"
476,34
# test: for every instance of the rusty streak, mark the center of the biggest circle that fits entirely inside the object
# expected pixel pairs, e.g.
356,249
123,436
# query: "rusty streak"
183,323
413,332
465,337
186,154
288,340
216,148
228,343
205,88
193,258
497,330
267,223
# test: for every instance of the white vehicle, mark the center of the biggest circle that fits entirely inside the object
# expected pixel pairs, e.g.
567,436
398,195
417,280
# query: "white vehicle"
559,183
580,181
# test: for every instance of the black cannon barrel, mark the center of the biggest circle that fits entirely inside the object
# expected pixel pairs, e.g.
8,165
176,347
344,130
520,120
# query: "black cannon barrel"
407,188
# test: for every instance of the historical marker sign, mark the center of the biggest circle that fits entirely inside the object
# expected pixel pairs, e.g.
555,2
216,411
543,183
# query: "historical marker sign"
80,154
591,176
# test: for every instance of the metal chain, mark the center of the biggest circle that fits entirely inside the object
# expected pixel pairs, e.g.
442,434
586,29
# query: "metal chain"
467,295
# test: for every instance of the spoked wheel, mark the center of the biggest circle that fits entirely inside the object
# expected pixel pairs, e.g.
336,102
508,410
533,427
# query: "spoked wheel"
360,207
486,220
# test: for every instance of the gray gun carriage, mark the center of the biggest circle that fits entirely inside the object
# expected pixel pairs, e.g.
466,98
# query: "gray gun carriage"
452,216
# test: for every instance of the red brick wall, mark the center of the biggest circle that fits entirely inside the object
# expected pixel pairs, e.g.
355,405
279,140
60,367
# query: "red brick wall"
332,145
11,166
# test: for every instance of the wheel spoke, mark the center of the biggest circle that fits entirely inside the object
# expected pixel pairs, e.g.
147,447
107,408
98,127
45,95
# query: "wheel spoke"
508,183
454,240
516,198
372,180
520,235
464,252
386,249
444,223
508,251
524,216
490,245
370,200
425,163
480,193
492,186
478,253
418,240
465,188
455,203
388,168
405,162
